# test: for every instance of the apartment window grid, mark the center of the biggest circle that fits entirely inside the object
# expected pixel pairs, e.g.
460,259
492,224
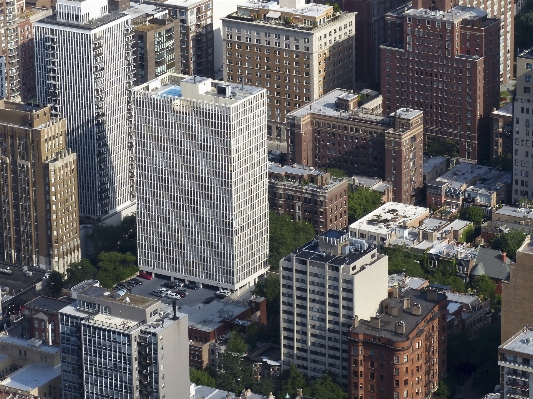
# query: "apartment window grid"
216,183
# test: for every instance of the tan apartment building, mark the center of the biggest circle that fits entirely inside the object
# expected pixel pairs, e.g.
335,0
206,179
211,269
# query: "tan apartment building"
297,51
156,49
192,23
306,193
333,132
517,308
501,133
39,191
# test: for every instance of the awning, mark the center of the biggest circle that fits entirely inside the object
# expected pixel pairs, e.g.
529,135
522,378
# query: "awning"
273,14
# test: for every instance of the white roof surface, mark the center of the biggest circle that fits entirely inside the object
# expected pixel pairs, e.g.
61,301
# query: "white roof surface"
387,217
32,376
523,343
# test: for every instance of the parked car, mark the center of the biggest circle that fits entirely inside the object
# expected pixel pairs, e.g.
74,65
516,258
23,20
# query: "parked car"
172,295
157,294
222,293
208,300
145,276
181,292
191,285
135,281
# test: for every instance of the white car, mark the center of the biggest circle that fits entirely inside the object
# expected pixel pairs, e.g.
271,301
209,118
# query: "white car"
223,292
172,295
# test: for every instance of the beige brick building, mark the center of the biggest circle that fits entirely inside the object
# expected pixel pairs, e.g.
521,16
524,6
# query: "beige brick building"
38,192
517,307
296,51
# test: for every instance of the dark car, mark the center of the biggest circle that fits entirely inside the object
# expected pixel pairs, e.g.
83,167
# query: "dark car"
135,281
191,286
208,300
182,292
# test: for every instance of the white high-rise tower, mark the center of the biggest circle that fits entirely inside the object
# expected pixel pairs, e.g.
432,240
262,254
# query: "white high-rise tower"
201,156
84,70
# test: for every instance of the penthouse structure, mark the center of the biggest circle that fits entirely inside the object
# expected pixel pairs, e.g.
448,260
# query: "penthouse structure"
324,284
297,51
41,319
39,190
468,184
517,311
83,56
515,358
114,344
501,138
335,132
308,194
186,32
521,128
444,59
202,180
401,351
156,49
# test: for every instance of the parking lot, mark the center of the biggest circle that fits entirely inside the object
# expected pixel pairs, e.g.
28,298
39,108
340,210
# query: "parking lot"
194,297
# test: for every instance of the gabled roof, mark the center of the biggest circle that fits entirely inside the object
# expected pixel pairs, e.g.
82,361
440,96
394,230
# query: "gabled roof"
492,264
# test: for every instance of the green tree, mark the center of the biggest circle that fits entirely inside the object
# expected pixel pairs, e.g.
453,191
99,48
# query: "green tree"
484,287
286,236
114,267
523,28
121,238
438,148
361,202
336,172
473,214
467,235
269,289
292,380
336,8
263,387
503,162
509,242
402,260
201,377
327,388
55,283
80,271
236,344
442,392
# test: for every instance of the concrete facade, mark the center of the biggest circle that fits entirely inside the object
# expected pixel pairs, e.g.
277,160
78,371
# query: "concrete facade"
522,125
324,284
501,135
515,358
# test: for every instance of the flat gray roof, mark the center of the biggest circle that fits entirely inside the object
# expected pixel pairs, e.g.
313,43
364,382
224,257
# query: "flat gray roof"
522,343
506,110
32,376
29,344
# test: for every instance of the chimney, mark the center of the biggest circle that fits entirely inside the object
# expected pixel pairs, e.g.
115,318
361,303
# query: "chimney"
375,322
400,327
355,321
300,392
395,291
432,295
504,257
407,302
416,309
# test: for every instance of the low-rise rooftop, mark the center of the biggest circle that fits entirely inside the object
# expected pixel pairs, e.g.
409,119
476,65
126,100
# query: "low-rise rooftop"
522,342
210,316
109,295
32,376
506,110
47,304
432,162
34,344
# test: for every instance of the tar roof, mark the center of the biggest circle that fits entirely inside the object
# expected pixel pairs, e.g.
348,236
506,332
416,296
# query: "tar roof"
387,327
32,376
32,344
210,316
47,304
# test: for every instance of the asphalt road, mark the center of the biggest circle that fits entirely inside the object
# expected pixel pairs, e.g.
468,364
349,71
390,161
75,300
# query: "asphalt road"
194,297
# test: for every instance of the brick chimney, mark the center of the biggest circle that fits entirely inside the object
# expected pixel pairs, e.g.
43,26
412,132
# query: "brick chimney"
504,257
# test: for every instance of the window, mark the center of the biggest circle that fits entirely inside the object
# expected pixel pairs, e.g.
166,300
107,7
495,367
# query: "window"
527,78
529,66
527,89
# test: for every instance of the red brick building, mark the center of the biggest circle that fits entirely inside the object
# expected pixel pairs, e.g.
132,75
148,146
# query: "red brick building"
400,353
336,132
308,194
445,60
41,319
